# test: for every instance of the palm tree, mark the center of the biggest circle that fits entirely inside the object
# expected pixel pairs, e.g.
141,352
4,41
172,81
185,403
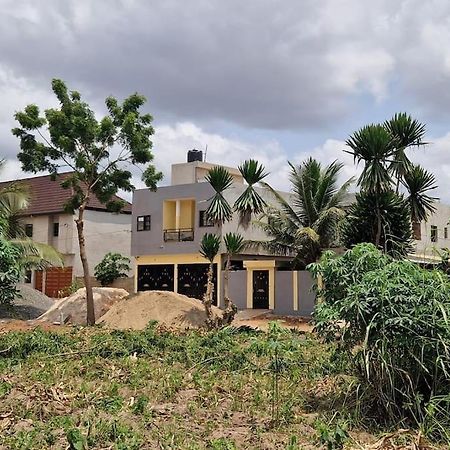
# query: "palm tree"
250,202
209,248
234,244
308,222
14,200
407,132
418,182
219,210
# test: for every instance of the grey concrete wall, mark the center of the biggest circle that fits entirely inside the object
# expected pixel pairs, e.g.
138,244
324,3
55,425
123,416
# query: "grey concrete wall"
284,297
238,288
306,296
146,202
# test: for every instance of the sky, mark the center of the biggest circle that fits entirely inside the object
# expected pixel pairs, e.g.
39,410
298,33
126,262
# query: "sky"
275,80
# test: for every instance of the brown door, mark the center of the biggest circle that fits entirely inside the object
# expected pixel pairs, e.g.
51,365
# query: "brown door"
56,280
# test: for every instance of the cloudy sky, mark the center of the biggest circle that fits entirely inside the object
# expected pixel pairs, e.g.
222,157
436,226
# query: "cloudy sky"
275,80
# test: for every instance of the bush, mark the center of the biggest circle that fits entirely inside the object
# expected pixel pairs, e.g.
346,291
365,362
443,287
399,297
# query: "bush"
112,267
393,320
9,272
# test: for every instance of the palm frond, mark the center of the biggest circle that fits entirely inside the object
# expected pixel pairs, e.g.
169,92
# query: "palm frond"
375,146
209,246
219,210
234,243
418,183
35,255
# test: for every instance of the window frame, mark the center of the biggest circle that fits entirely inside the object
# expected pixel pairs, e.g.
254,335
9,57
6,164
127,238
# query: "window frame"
445,232
202,220
434,233
144,223
29,226
55,229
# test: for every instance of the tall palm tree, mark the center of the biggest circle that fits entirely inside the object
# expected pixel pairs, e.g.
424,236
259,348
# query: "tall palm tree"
308,223
418,182
234,244
407,132
209,248
219,210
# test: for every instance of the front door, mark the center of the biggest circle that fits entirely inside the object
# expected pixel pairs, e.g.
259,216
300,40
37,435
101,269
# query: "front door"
261,289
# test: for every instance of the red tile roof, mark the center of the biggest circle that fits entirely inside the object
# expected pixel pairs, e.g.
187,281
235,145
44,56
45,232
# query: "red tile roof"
48,197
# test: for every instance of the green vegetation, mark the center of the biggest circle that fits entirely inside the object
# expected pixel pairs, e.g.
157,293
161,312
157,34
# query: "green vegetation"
309,222
224,389
99,153
382,214
112,267
391,320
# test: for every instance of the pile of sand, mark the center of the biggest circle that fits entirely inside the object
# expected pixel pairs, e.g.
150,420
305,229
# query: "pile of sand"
72,309
168,308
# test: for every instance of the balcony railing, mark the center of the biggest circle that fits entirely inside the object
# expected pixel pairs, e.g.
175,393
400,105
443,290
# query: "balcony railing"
180,235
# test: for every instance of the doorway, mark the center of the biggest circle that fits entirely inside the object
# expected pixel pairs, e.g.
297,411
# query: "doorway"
260,289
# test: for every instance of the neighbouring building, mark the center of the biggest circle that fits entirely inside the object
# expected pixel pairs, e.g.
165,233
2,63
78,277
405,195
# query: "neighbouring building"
168,226
45,221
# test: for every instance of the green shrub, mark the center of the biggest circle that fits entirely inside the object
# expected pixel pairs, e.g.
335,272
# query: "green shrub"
392,317
112,267
9,272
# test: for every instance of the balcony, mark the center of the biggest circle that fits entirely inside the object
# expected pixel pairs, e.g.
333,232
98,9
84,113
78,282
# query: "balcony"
179,235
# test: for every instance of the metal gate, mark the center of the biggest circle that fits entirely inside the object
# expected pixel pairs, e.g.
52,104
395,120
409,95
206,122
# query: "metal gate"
260,289
192,280
156,277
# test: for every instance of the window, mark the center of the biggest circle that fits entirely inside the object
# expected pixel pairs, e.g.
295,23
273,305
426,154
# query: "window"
445,233
28,276
434,233
204,221
143,223
56,229
417,234
29,229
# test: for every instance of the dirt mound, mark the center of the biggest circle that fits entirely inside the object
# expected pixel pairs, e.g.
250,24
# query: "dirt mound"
28,305
168,308
72,309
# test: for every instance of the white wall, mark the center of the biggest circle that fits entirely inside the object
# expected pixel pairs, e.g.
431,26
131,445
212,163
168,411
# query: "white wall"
104,232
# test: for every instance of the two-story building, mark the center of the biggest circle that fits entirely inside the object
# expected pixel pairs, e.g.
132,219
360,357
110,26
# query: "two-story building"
168,226
46,221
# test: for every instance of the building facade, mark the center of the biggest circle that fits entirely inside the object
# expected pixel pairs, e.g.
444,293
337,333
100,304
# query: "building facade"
45,221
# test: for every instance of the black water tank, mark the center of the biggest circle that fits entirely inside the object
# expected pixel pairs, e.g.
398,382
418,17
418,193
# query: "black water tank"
194,155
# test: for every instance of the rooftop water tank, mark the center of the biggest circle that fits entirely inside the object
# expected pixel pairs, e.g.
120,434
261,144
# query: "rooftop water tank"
194,155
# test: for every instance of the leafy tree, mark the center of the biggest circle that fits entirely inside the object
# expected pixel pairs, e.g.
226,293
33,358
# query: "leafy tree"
10,271
111,267
382,149
209,248
98,152
307,222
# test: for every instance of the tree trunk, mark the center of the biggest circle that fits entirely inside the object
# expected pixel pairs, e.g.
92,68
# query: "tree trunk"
378,235
90,317
211,322
230,309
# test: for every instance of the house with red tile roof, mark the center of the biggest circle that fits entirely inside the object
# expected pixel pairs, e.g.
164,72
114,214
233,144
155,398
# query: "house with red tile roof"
47,221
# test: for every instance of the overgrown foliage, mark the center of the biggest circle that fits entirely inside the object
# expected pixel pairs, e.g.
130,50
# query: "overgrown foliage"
308,222
392,318
112,267
99,154
376,217
10,271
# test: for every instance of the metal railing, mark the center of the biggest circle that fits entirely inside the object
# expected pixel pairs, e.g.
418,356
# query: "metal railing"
179,235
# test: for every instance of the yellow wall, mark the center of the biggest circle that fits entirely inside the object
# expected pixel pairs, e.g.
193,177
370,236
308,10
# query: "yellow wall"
187,214
169,220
